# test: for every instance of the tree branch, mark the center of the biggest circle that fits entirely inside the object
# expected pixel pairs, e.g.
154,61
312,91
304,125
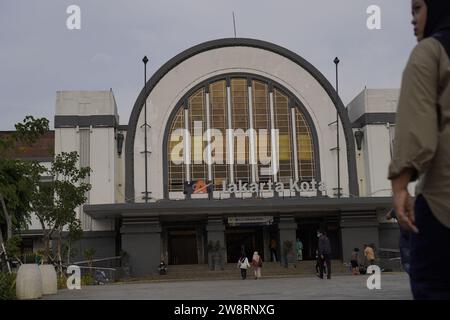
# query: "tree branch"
7,218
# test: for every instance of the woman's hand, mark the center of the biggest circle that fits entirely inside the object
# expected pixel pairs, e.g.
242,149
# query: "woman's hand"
403,203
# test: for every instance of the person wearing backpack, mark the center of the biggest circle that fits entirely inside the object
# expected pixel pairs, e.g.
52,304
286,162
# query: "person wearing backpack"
422,151
243,265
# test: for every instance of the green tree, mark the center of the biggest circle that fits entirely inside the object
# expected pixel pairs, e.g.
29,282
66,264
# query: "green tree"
55,202
17,176
75,234
89,255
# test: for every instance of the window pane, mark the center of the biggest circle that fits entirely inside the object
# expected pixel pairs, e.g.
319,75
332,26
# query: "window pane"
282,123
305,149
197,125
239,114
218,114
261,120
176,171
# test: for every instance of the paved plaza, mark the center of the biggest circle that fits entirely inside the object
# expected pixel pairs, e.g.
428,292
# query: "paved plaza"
394,286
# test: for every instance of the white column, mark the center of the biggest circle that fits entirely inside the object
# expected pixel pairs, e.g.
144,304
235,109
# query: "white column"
187,145
208,137
294,142
252,138
230,139
274,140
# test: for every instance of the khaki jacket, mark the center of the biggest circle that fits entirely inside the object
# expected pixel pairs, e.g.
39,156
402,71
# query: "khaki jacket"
422,133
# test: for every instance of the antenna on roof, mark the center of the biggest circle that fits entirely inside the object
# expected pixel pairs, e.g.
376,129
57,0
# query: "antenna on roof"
234,25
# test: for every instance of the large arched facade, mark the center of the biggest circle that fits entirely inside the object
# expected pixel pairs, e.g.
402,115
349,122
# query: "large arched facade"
302,83
237,87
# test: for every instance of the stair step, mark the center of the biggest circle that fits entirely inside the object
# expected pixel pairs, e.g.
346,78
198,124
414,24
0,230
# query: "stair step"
269,269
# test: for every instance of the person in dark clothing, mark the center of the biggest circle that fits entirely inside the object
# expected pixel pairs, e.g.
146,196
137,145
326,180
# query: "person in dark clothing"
273,250
162,268
318,262
324,254
355,261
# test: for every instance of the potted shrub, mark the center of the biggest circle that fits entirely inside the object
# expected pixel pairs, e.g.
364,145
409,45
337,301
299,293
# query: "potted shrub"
89,256
218,256
125,264
288,253
210,248
28,279
7,286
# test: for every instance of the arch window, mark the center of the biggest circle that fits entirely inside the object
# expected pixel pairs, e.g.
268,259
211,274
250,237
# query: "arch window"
241,113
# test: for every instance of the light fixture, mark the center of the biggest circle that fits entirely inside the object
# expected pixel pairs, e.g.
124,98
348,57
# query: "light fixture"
358,137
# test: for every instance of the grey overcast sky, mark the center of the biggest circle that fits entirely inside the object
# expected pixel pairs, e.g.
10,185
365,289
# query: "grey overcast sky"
39,55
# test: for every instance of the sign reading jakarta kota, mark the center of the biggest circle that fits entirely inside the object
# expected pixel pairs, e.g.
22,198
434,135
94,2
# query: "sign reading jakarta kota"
200,186
294,186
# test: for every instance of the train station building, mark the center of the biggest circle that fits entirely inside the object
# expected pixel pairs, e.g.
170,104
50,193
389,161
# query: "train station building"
233,140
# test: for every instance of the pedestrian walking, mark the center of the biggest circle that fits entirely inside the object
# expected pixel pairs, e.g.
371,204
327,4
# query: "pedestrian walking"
243,265
317,263
299,247
324,254
256,265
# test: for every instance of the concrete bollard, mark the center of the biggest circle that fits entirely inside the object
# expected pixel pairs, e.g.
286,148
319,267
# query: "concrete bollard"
29,282
49,279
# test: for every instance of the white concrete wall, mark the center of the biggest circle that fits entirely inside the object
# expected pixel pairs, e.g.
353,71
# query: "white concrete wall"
102,179
356,108
373,101
102,145
34,223
200,67
374,158
377,159
85,103
382,100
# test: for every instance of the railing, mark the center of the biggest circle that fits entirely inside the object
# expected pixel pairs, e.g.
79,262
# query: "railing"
389,259
110,266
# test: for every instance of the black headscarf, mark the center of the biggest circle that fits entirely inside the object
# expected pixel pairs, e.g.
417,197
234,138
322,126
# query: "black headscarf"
438,17
438,22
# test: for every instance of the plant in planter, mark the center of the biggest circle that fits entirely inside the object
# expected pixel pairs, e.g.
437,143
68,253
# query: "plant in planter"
61,281
89,256
12,248
288,253
7,286
125,264
219,256
210,248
